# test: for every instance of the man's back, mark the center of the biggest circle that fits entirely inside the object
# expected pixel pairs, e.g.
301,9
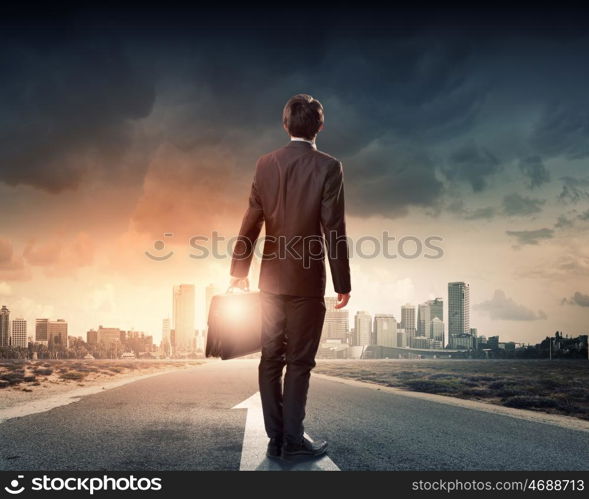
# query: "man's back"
292,184
297,192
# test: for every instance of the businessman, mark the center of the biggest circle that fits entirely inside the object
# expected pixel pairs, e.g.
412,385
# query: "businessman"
298,193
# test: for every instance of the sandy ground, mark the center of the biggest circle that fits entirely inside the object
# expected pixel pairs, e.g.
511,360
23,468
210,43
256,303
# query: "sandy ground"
74,378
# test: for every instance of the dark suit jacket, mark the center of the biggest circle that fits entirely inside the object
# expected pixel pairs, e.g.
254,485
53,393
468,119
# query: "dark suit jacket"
298,192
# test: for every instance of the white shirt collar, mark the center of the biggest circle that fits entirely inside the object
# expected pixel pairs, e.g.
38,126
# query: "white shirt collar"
300,139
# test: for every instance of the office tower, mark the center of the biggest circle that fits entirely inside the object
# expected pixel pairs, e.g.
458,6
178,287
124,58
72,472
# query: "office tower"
408,321
57,334
437,330
421,342
458,311
109,338
385,327
436,308
183,317
425,313
4,327
423,319
401,338
166,328
362,329
19,333
336,324
92,337
42,330
210,291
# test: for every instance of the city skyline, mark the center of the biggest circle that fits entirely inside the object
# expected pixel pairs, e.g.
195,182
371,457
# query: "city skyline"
421,320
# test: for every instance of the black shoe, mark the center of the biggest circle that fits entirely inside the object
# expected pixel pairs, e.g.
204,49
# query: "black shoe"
304,449
274,447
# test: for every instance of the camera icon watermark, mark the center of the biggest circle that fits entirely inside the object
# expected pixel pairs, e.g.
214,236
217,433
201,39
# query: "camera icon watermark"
15,487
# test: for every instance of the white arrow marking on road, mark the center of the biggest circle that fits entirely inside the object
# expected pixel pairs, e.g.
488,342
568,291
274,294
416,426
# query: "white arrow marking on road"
255,442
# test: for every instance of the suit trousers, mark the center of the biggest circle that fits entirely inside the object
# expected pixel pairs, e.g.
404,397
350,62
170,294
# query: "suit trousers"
291,331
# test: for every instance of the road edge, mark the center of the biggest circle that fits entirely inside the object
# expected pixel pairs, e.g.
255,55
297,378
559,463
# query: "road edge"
567,422
76,394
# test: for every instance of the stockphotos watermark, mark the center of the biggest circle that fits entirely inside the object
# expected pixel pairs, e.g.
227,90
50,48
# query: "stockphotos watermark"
90,485
305,248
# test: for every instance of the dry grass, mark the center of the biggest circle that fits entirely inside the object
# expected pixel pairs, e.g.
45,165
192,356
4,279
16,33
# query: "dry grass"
15,373
559,386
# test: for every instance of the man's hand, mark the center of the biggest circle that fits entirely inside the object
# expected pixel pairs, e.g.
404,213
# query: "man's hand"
342,300
239,282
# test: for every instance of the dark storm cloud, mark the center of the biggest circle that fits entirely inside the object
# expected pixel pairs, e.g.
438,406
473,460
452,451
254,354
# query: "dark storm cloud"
473,164
580,299
384,98
400,174
535,171
574,189
531,237
516,204
584,215
563,130
67,109
500,307
563,222
403,94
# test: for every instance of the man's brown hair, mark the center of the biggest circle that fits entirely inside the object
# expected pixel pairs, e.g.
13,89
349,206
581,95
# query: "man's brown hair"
303,116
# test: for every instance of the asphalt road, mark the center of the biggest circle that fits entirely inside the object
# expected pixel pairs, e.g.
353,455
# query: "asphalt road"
185,421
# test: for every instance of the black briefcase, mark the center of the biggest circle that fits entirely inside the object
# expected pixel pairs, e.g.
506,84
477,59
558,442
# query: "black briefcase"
235,325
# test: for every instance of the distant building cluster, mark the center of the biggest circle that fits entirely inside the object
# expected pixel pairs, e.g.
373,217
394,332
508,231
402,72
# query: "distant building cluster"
421,332
420,328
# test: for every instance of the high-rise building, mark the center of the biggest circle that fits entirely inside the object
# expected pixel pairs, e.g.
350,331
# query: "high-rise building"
183,308
92,337
42,330
421,342
18,336
458,311
401,338
436,307
57,334
425,313
408,322
336,324
423,319
166,340
437,330
362,329
4,326
210,291
110,337
385,327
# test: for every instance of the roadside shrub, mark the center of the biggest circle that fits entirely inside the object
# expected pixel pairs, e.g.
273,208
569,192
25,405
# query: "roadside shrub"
12,378
477,392
511,392
428,386
73,375
43,371
526,401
